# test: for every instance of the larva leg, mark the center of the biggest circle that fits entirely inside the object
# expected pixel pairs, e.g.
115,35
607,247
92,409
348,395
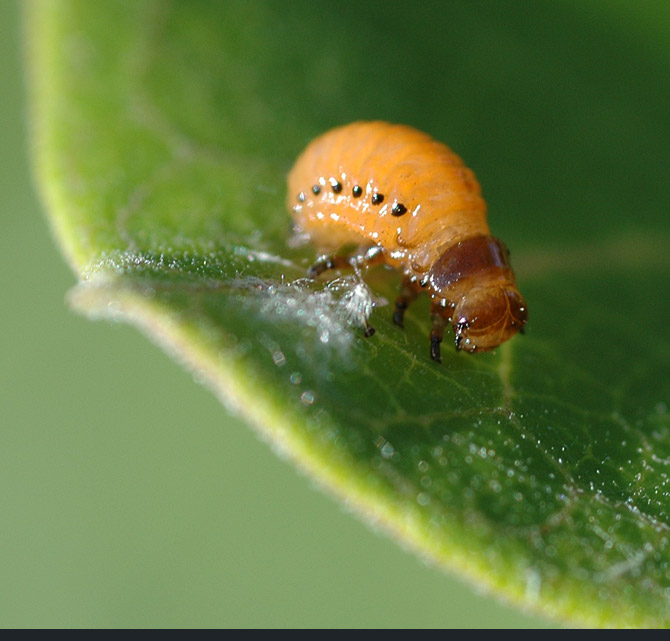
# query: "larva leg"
407,296
366,257
437,333
368,330
325,262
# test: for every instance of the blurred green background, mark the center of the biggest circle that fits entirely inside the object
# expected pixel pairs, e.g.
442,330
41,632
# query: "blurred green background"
117,511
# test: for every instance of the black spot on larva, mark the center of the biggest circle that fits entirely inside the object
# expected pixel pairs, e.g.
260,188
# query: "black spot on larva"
335,185
377,199
302,197
398,209
357,191
316,190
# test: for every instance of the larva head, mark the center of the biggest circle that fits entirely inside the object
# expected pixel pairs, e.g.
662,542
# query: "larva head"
474,274
487,316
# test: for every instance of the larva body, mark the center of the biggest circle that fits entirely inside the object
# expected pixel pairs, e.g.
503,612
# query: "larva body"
409,201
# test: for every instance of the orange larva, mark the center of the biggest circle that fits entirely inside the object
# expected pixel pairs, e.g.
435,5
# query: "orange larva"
407,200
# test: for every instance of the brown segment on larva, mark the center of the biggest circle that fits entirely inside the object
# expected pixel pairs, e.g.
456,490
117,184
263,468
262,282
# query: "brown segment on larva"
396,189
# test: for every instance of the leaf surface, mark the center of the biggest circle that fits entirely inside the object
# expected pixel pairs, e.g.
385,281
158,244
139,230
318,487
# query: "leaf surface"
164,132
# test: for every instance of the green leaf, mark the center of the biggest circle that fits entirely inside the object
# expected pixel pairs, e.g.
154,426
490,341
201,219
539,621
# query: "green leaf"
163,133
